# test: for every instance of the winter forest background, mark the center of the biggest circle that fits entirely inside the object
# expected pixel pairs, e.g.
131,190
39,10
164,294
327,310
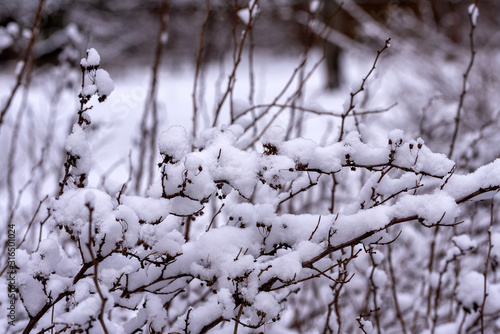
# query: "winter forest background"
264,166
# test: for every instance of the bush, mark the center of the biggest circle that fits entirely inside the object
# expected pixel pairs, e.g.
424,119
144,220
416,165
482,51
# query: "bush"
245,229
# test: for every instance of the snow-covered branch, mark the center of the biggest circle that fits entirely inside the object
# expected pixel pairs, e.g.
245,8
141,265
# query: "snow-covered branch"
138,256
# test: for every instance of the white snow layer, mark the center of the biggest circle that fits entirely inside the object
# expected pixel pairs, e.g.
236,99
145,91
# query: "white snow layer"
103,83
92,60
79,148
256,245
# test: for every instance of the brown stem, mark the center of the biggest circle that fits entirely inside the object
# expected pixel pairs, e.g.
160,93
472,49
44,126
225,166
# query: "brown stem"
240,311
34,320
211,325
95,277
198,65
213,218
354,241
149,131
374,288
361,88
464,82
487,263
393,289
27,55
238,51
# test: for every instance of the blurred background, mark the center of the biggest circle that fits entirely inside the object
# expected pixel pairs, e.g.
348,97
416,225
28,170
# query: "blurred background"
125,30
294,65
171,60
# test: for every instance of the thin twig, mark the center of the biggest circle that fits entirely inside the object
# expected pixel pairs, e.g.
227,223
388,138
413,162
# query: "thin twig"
26,60
149,131
238,51
465,79
352,103
237,321
355,240
198,65
96,270
394,290
487,263
315,229
32,220
213,218
314,111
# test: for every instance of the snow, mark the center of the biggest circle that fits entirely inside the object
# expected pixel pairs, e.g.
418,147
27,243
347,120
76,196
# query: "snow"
464,242
266,303
361,153
287,266
78,147
174,142
13,28
47,258
470,290
307,249
379,277
70,214
483,178
19,67
204,314
405,301
274,136
395,137
182,206
474,13
246,14
447,328
92,60
89,90
367,326
26,33
249,243
314,6
103,83
5,39
50,265
164,38
424,206
300,150
495,242
492,304
83,311
378,257
73,33
57,285
82,290
147,209
226,163
157,315
100,81
35,298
